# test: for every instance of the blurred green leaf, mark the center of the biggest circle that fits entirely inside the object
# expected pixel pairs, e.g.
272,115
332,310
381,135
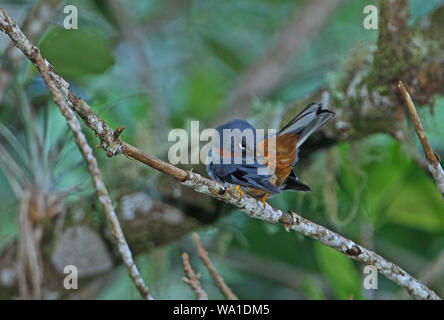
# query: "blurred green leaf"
311,290
8,225
385,177
76,53
340,272
203,93
224,53
418,205
378,168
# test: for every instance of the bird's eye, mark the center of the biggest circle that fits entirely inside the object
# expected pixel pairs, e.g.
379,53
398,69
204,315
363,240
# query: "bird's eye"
243,145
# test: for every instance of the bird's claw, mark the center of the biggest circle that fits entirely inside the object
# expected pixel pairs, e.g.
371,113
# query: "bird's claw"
238,189
263,200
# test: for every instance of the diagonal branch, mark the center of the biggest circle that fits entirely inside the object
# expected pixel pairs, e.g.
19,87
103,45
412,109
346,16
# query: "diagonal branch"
218,280
94,170
60,99
433,164
250,206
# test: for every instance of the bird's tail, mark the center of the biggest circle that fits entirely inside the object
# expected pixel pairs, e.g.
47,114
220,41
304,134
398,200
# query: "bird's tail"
307,122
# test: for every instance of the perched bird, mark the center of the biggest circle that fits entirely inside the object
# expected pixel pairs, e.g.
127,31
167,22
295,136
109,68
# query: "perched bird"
244,159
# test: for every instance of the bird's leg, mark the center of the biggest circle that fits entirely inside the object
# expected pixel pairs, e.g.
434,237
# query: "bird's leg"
263,199
238,189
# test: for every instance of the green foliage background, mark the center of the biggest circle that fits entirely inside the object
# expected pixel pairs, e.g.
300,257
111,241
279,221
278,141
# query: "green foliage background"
196,56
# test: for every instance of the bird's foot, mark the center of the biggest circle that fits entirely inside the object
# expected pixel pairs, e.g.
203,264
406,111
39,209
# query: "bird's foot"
238,189
263,199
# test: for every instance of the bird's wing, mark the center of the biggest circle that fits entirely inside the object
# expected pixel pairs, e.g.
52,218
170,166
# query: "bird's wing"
245,176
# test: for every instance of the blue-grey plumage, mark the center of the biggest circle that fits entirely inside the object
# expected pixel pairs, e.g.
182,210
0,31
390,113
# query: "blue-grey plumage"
244,172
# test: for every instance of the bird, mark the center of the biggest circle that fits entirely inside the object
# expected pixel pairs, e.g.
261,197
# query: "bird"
238,157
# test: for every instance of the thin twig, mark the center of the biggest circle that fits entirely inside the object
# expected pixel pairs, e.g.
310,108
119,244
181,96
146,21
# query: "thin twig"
218,280
281,273
249,205
94,170
192,279
433,163
29,260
